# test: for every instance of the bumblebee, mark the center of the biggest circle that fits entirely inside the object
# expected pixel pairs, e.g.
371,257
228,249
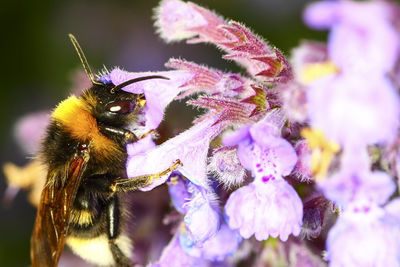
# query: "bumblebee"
84,152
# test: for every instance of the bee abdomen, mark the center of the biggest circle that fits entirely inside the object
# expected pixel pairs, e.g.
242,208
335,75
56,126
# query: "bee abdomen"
97,250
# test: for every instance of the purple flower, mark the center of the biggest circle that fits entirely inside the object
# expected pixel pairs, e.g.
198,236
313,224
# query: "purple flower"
362,43
178,190
199,205
200,234
265,209
269,206
30,130
262,150
365,238
356,185
202,208
362,38
369,107
223,244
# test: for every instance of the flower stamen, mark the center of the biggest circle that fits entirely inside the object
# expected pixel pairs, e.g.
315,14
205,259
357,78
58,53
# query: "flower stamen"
323,151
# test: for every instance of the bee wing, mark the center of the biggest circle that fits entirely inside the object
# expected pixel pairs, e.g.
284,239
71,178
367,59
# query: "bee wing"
51,225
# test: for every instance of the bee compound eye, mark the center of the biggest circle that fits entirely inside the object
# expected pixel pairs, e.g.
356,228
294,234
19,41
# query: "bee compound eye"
121,107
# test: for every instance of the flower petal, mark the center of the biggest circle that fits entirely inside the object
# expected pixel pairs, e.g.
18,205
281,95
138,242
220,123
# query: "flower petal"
190,147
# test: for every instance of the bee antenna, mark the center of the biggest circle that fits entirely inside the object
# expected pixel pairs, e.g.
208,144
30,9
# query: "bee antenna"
139,79
83,59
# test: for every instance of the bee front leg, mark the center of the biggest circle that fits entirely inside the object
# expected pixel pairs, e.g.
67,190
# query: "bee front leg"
122,135
135,183
119,134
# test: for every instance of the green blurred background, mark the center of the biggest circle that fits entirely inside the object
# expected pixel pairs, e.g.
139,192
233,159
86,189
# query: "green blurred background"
38,63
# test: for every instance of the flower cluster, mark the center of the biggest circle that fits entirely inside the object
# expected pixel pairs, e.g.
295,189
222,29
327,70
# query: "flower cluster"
356,106
289,143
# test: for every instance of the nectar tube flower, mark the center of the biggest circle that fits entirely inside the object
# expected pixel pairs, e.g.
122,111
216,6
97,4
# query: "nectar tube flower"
268,206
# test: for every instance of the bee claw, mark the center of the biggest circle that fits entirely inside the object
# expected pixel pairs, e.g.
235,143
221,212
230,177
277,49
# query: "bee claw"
146,134
130,137
177,163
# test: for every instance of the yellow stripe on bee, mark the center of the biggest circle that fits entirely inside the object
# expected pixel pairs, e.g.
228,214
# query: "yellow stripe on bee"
74,114
97,249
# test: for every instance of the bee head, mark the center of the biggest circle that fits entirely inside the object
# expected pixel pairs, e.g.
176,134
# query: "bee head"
111,105
107,102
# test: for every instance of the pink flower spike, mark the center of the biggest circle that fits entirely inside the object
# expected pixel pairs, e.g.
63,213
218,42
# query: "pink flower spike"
251,51
244,40
210,81
229,111
173,19
158,92
177,20
212,31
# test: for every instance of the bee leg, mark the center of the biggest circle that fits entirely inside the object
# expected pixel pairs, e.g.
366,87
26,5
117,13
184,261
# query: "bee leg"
146,134
134,183
113,232
121,135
